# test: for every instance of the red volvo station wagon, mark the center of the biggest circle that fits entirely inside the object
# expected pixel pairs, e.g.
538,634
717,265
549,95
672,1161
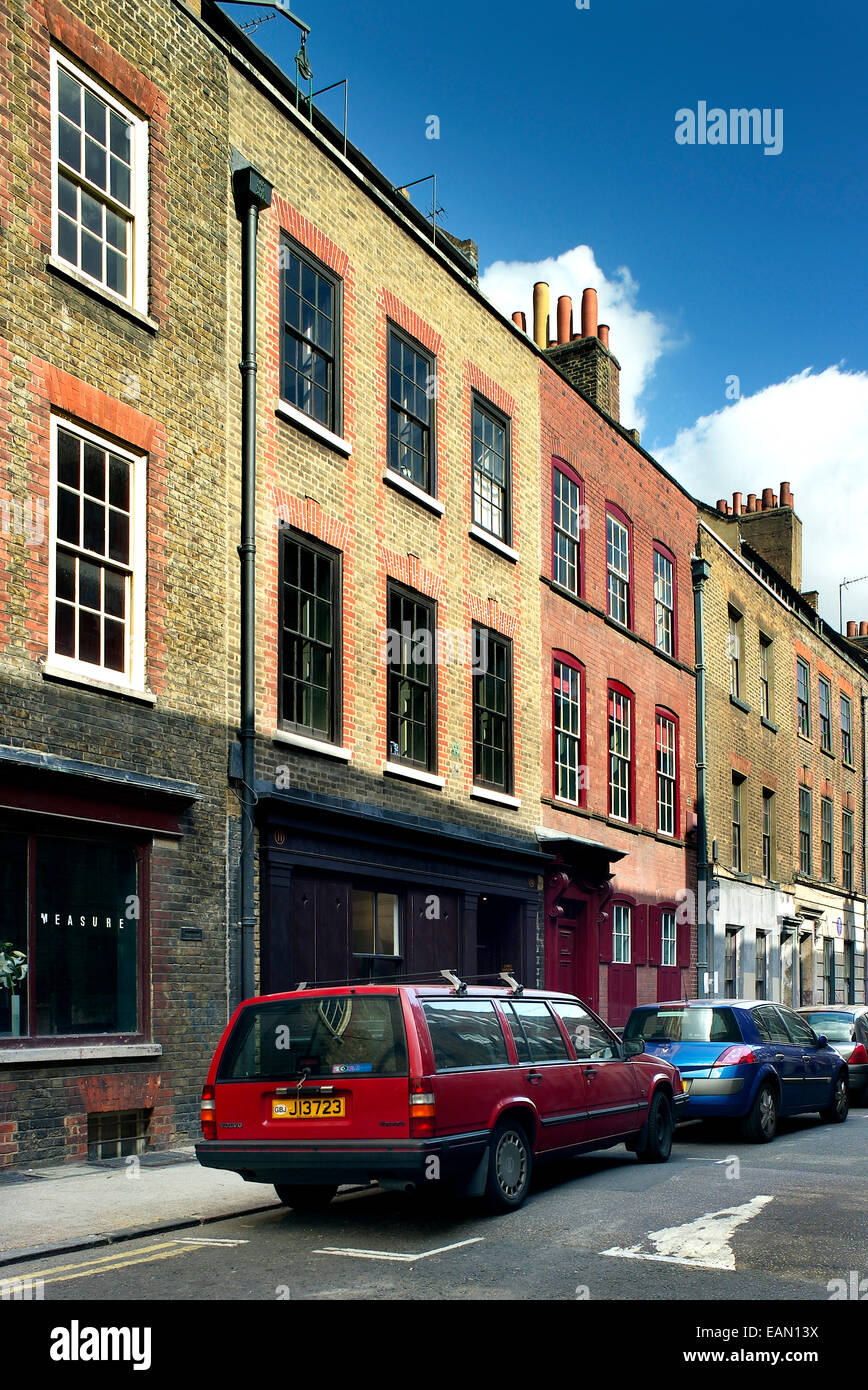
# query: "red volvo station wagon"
410,1084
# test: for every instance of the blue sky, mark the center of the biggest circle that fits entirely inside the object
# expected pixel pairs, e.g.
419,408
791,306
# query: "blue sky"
557,132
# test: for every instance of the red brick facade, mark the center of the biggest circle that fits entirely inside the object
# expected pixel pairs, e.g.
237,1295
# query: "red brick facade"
656,869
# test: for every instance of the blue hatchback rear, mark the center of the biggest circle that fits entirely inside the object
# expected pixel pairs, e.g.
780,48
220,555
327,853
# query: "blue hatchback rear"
748,1060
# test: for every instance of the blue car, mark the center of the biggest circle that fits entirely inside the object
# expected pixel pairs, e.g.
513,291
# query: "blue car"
745,1059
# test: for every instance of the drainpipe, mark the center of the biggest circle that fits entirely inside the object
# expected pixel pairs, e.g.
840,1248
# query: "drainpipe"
700,570
252,194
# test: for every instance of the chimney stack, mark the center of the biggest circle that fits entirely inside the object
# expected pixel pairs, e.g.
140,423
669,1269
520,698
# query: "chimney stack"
585,358
777,538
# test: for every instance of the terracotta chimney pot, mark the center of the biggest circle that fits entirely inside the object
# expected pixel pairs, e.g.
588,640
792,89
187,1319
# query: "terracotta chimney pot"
604,334
589,313
565,318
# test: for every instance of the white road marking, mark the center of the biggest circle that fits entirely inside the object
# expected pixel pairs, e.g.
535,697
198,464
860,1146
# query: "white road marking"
193,1240
704,1243
392,1255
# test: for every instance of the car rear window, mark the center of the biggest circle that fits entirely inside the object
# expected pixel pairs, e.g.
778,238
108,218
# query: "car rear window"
684,1025
837,1027
465,1033
352,1036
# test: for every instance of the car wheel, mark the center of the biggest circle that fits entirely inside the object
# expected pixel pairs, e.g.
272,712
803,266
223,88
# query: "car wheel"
660,1126
837,1112
510,1162
303,1198
760,1125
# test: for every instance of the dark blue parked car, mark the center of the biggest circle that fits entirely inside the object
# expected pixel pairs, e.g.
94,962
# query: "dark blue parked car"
745,1059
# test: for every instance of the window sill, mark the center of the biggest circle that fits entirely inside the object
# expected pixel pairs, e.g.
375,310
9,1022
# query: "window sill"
68,272
828,753
851,767
129,692
29,1055
767,724
414,774
499,798
418,494
739,704
493,543
312,745
317,431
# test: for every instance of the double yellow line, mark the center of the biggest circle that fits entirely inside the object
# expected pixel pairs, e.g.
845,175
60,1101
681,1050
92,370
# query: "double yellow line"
104,1264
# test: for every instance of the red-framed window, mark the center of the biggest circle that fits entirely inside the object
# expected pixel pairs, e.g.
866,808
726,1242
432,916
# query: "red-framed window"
665,601
568,728
619,566
667,764
621,752
568,552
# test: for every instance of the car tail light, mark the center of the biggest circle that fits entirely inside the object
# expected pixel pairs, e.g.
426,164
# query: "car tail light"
677,1082
858,1057
207,1116
421,1108
735,1057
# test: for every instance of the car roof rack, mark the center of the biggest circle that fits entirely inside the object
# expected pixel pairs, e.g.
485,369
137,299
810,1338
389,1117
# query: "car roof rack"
514,985
458,985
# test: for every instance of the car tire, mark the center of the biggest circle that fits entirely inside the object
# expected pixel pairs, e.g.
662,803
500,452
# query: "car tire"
760,1124
305,1198
659,1129
837,1112
510,1163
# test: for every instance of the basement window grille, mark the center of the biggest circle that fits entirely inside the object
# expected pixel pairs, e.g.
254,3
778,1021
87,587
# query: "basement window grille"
116,1134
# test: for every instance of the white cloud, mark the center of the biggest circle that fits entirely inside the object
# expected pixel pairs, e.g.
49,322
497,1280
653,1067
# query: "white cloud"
811,430
638,336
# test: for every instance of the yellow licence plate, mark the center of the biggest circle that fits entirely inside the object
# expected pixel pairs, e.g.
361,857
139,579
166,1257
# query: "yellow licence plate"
332,1108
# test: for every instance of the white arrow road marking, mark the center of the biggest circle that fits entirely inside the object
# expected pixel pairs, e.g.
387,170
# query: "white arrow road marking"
193,1240
704,1243
392,1255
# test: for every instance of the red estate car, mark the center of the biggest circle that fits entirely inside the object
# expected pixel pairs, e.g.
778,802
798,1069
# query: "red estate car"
403,1083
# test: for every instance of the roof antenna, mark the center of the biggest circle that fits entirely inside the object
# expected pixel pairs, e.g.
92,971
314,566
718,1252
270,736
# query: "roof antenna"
458,985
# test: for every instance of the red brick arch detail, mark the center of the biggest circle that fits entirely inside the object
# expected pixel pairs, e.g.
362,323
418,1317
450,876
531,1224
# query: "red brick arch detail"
411,323
102,59
118,73
490,614
407,570
306,514
94,407
310,236
492,391
740,764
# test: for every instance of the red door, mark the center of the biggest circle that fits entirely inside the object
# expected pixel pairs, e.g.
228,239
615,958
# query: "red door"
571,958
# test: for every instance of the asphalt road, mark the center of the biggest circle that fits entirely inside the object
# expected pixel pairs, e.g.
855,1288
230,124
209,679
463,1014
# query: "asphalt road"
723,1220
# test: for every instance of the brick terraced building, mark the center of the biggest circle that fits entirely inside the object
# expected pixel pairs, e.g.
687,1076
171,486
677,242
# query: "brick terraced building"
113,743
397,534
785,735
617,687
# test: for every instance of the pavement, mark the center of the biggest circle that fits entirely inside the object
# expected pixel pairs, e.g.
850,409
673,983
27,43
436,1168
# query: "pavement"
74,1206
